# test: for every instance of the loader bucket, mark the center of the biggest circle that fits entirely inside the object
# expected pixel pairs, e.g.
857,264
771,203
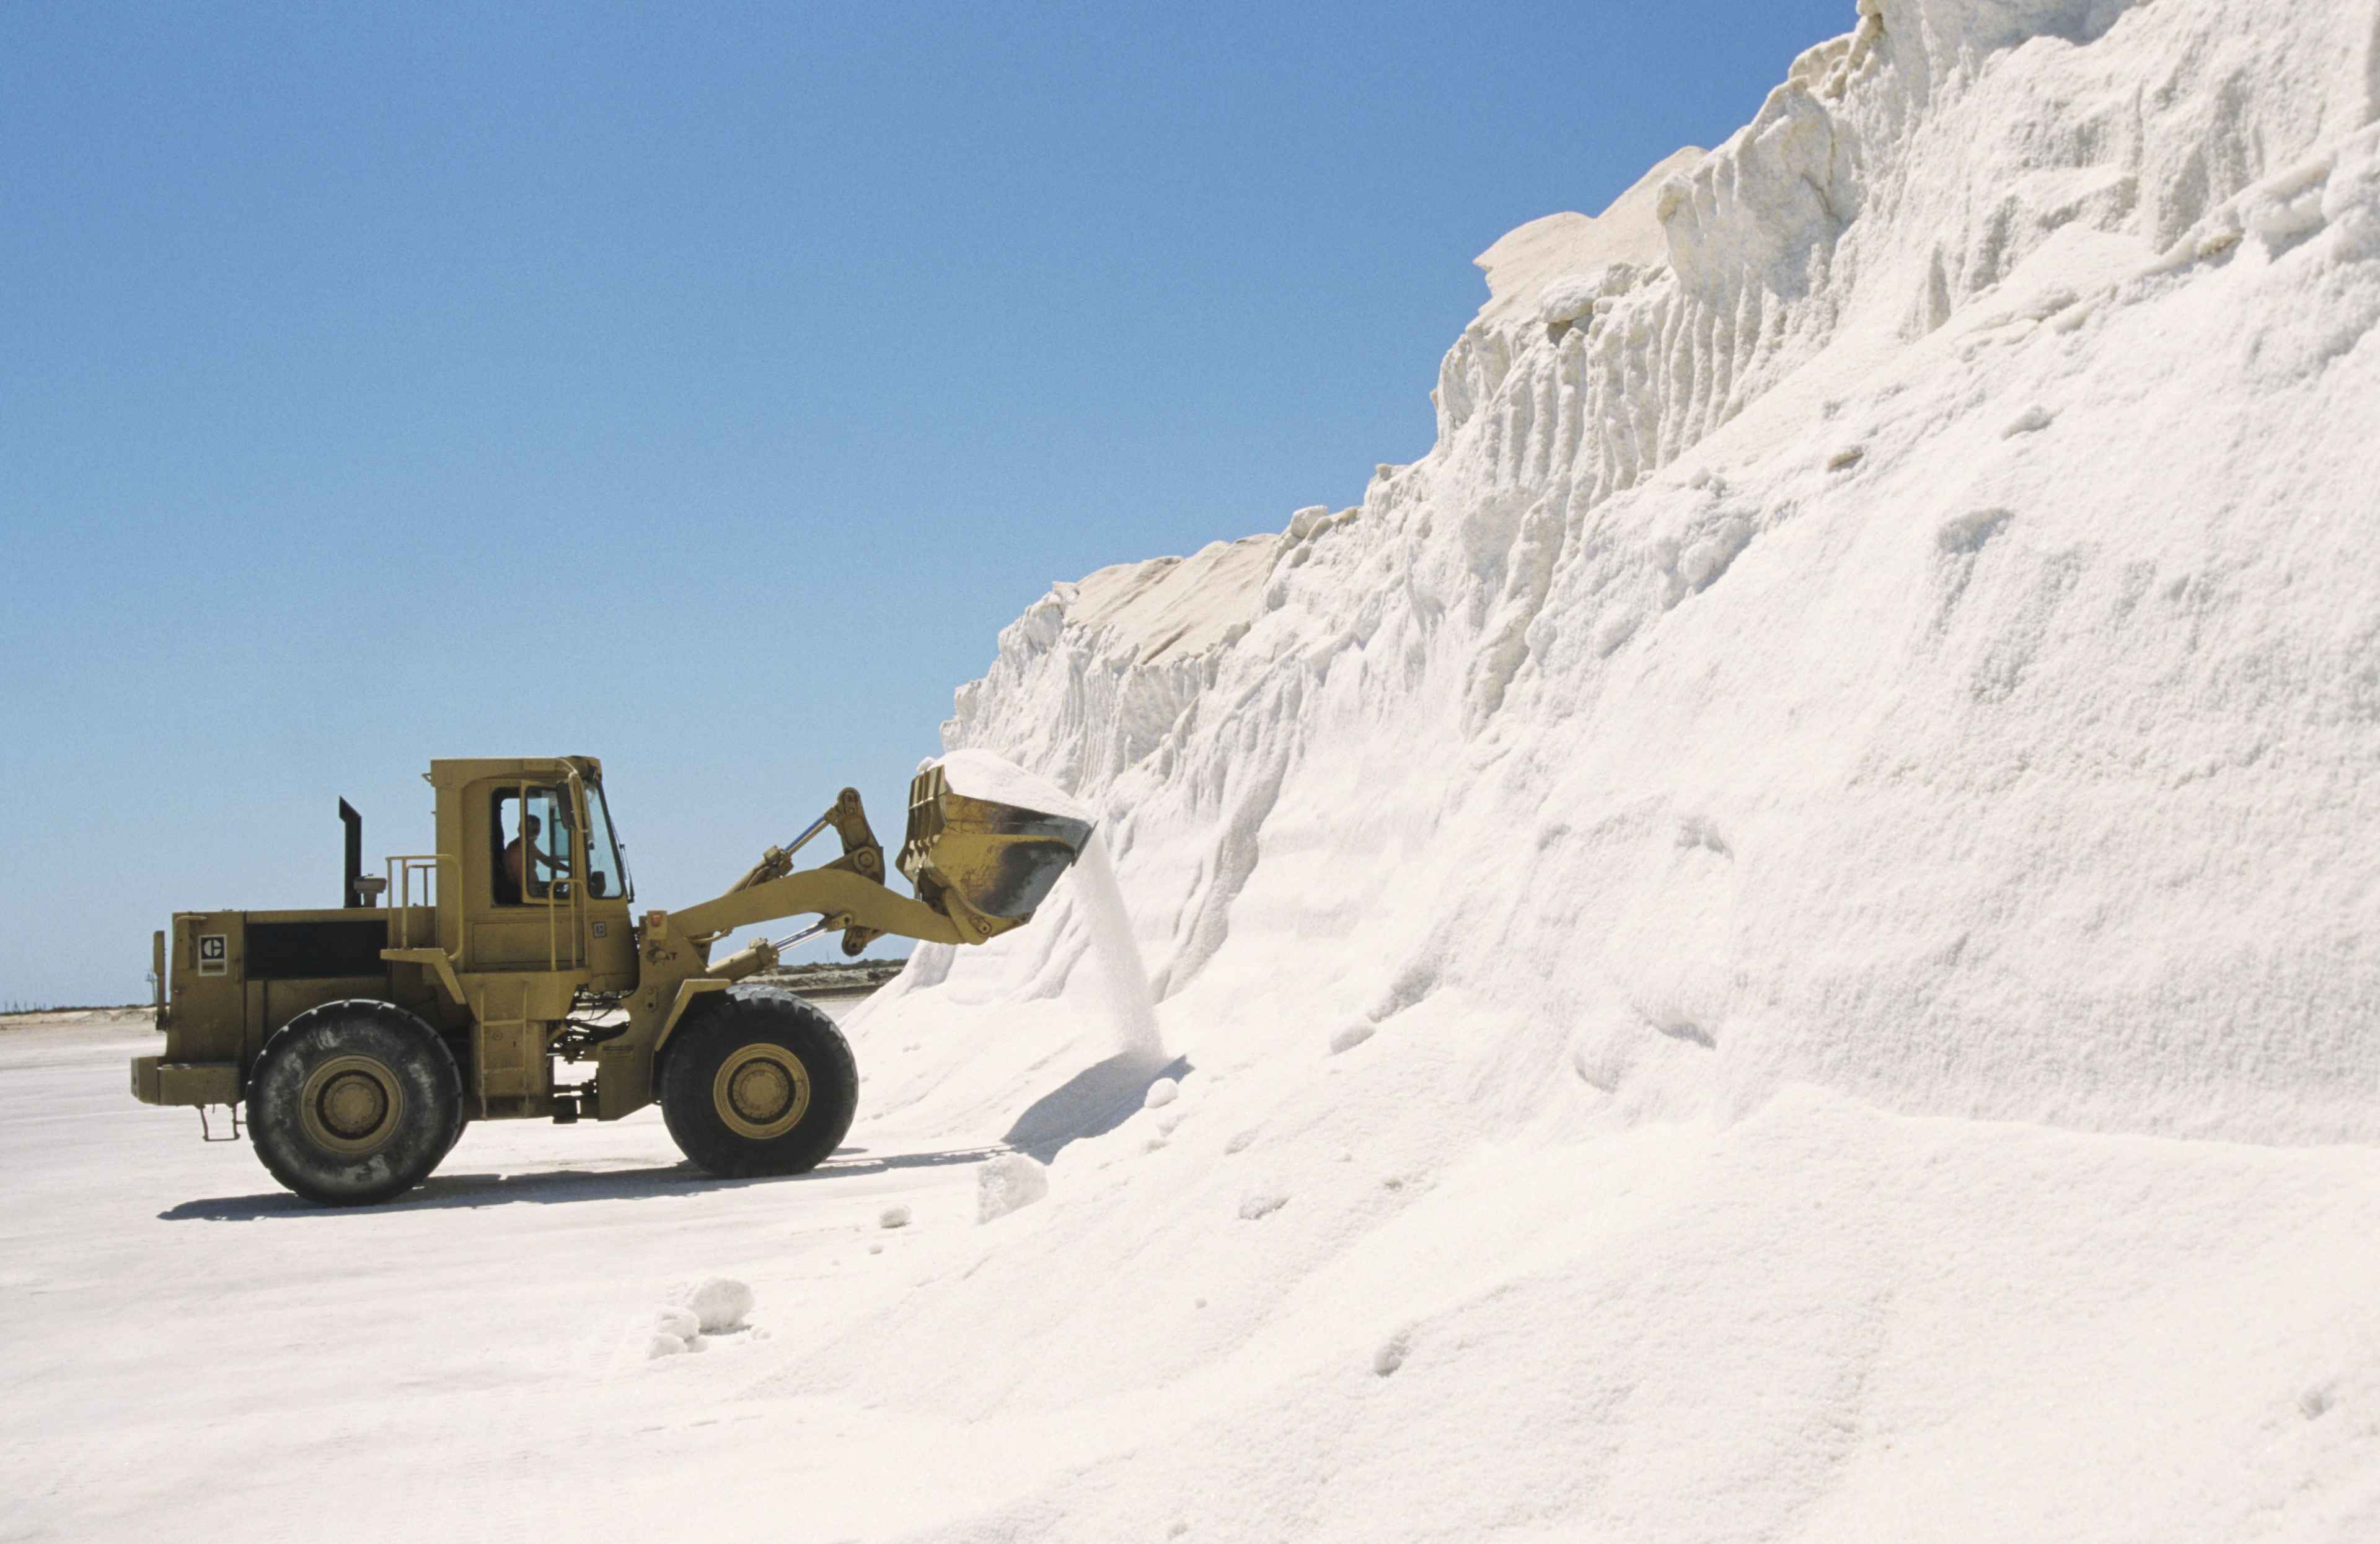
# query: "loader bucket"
983,865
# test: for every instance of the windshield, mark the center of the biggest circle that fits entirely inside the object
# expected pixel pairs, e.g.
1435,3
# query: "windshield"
607,873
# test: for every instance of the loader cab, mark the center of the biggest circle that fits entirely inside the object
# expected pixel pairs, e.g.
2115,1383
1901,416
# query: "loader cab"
531,877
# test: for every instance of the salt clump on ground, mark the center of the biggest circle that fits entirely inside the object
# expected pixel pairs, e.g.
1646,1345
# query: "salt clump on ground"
720,1305
717,1307
1348,1035
1007,1182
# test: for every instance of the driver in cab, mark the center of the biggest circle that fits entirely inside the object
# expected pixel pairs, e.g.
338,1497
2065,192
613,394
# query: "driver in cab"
525,859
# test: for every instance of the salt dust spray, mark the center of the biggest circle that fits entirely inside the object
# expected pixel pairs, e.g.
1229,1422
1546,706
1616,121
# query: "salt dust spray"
1101,900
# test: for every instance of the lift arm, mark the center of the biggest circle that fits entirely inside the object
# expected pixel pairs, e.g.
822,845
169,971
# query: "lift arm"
831,892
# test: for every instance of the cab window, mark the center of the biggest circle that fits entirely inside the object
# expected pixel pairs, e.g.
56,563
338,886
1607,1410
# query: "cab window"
532,834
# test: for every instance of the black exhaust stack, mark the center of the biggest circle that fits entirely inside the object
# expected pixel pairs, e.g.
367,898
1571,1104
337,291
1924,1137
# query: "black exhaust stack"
355,824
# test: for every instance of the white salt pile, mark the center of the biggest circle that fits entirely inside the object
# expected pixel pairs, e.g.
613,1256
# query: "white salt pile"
1844,783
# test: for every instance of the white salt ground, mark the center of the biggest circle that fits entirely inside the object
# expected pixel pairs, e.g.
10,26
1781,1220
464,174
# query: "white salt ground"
1875,979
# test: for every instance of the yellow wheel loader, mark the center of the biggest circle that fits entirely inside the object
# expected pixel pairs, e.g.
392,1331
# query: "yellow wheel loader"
504,976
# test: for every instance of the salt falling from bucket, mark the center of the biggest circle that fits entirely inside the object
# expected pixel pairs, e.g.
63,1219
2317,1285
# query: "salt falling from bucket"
1135,1005
983,775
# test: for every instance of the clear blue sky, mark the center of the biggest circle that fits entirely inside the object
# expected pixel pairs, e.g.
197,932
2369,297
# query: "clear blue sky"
696,387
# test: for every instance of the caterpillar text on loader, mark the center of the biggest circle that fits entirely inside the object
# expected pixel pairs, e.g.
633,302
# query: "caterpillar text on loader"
456,986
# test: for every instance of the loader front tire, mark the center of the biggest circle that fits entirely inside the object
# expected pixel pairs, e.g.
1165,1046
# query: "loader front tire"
354,1103
758,1082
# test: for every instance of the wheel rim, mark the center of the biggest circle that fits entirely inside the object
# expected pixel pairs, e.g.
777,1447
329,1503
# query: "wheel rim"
352,1105
762,1091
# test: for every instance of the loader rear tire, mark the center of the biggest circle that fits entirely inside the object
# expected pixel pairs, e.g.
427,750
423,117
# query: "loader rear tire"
761,1083
354,1103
